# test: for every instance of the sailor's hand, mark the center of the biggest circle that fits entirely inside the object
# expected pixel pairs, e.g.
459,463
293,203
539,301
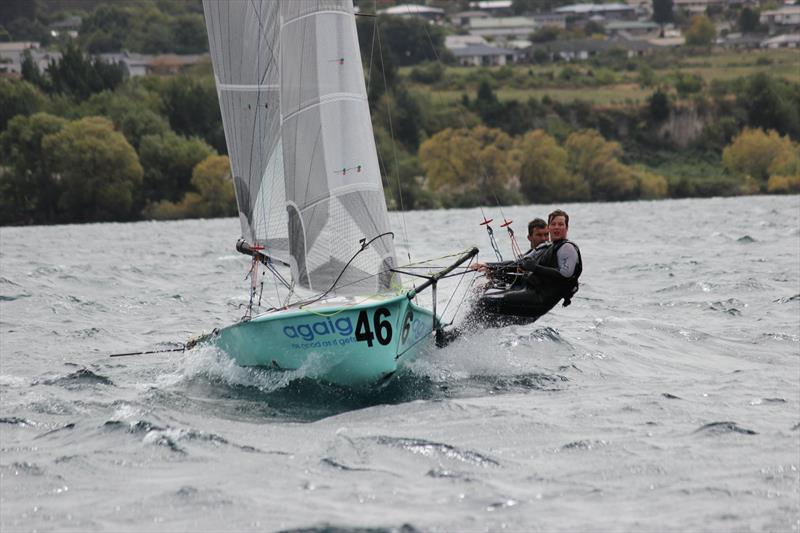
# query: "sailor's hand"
480,267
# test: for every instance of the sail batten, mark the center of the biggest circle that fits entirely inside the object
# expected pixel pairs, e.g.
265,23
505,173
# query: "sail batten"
299,132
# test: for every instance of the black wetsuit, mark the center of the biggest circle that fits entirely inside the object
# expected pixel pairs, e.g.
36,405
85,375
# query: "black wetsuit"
533,293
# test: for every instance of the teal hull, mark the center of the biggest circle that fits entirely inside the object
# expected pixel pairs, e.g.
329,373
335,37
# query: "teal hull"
356,344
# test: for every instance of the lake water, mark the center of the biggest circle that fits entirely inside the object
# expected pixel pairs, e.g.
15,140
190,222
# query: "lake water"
666,398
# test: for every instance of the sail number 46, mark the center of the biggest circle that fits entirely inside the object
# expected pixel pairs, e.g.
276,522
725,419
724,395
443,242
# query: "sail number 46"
382,328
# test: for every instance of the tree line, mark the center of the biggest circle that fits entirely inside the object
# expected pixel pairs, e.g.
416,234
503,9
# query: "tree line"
80,143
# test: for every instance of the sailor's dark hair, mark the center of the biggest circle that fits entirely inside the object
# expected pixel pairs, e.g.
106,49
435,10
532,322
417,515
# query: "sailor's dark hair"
536,223
558,213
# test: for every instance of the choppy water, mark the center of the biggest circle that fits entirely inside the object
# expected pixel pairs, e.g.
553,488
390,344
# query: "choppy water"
666,398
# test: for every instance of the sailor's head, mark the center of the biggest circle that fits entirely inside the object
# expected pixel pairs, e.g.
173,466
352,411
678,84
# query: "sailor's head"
537,232
558,224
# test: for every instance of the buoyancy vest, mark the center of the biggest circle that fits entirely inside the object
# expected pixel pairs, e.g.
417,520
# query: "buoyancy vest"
557,288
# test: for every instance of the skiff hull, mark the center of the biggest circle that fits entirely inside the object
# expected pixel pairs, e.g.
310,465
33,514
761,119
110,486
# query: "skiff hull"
355,344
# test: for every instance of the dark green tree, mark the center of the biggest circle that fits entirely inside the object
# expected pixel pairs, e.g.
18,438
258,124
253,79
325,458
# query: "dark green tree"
658,106
99,172
78,76
168,160
18,9
28,191
106,28
772,104
18,97
189,34
192,108
662,12
30,71
748,20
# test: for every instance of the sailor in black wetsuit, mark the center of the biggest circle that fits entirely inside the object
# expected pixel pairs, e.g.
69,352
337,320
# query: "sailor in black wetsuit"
535,283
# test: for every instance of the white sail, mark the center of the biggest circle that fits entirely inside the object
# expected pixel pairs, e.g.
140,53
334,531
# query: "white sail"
243,40
292,87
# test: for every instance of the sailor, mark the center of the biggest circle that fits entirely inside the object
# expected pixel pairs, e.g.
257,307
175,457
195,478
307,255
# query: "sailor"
549,273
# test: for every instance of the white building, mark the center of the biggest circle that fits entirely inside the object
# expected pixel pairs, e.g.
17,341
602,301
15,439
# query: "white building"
790,40
784,18
11,55
607,11
451,42
476,55
503,28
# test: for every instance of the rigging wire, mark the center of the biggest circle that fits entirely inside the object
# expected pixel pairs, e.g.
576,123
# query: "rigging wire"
506,222
394,142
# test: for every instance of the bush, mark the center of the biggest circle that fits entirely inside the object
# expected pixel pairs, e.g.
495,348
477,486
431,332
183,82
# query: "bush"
783,184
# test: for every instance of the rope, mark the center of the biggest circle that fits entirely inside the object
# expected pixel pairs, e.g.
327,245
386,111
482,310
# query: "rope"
394,144
452,294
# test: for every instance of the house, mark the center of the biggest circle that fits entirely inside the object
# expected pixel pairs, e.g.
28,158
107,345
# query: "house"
644,8
783,19
580,49
494,7
451,42
790,40
697,7
742,41
12,54
552,20
581,13
165,64
630,29
432,14
503,28
463,18
485,55
68,26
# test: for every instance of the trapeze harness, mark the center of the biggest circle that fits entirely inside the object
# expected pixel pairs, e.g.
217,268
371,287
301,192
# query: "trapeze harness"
526,297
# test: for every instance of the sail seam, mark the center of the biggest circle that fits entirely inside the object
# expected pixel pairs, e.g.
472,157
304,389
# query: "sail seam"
241,87
327,99
341,191
314,14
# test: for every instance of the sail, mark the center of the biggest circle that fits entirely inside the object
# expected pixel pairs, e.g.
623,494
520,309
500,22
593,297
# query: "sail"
334,194
243,40
299,134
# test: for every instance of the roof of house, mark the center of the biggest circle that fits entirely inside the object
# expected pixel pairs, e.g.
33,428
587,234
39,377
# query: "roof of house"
18,46
621,25
583,9
784,10
470,14
411,9
502,22
779,39
460,41
492,4
73,22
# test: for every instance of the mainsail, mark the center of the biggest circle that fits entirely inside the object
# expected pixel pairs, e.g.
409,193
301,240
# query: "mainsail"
297,124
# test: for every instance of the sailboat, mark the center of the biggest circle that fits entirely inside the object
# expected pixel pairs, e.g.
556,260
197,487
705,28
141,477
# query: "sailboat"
310,197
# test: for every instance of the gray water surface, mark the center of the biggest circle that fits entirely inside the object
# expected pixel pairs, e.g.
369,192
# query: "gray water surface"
666,398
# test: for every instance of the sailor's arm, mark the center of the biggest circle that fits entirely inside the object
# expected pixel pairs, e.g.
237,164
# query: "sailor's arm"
488,267
567,257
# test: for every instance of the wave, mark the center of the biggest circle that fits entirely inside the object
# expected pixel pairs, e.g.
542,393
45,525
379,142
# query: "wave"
431,448
79,379
721,428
